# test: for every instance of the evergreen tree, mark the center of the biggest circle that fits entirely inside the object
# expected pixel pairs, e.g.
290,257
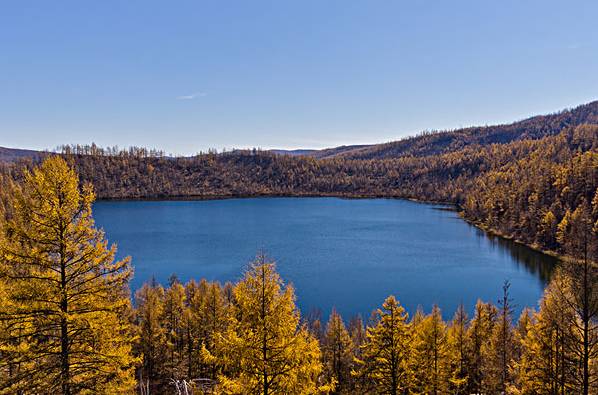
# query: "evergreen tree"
65,297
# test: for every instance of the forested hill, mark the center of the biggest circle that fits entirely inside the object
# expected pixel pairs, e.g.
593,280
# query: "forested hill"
434,143
430,143
527,184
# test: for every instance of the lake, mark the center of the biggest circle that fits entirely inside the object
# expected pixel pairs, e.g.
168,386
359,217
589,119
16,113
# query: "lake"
344,253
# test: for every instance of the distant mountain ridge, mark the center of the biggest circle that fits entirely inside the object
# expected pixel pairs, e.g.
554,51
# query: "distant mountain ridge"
14,154
428,143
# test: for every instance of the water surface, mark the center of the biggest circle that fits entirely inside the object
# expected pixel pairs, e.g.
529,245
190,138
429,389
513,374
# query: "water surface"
348,254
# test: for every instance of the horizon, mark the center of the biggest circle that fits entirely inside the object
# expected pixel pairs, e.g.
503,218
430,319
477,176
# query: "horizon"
309,75
231,149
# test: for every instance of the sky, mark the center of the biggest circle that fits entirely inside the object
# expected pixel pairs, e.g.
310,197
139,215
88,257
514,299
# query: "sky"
185,76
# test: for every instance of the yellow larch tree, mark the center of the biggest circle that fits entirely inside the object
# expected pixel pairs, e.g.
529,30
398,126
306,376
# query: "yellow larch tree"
152,345
65,296
458,358
429,355
337,350
265,349
385,354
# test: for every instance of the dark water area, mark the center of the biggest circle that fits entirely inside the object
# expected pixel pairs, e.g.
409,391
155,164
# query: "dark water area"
342,253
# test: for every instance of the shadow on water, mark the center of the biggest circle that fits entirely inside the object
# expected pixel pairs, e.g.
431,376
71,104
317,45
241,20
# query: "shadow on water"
537,263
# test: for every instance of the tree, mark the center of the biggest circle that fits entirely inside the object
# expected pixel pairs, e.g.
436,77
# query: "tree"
545,365
65,295
265,349
152,345
579,288
457,351
429,354
478,334
499,350
174,318
337,353
385,354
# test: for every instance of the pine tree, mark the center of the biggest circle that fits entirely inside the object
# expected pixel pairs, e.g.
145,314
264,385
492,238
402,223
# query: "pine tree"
65,295
385,354
265,349
337,353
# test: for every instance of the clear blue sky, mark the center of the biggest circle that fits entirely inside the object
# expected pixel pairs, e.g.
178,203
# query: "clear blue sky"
189,75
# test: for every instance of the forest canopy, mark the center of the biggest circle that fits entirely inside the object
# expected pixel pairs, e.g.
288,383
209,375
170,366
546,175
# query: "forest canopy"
66,314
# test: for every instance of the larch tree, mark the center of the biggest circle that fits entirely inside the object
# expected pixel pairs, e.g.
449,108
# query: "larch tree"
429,355
385,354
578,237
174,319
457,351
546,365
478,335
65,296
213,311
152,345
265,349
499,349
337,353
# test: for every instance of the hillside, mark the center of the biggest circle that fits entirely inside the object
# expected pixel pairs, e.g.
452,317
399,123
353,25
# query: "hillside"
512,179
14,154
434,143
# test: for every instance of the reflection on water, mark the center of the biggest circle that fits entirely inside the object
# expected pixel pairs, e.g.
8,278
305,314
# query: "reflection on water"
537,263
347,254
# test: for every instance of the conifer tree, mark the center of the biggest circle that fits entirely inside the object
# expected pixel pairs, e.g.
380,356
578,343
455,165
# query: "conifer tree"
499,349
545,365
457,351
478,334
174,317
579,289
152,345
337,353
265,349
214,312
429,355
64,294
385,354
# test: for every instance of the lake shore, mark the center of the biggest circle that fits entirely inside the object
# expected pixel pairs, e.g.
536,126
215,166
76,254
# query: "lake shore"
449,206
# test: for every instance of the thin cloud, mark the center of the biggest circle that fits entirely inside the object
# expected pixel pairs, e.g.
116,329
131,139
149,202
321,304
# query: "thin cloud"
192,96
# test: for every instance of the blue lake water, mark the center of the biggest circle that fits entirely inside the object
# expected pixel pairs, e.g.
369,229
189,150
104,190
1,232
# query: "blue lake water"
348,254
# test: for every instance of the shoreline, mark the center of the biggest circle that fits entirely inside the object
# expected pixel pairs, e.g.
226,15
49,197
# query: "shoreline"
449,206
